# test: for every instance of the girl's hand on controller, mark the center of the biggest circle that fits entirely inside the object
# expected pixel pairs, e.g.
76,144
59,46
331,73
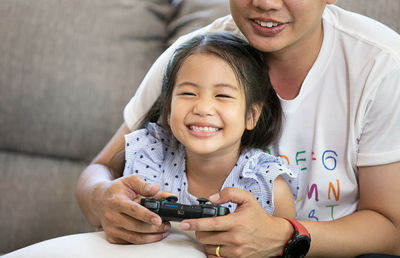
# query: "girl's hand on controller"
122,217
248,232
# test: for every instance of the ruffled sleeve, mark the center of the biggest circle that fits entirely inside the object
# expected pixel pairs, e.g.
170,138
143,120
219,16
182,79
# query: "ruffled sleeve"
260,172
145,151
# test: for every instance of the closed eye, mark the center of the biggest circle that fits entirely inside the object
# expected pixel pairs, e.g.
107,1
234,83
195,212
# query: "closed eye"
187,94
223,96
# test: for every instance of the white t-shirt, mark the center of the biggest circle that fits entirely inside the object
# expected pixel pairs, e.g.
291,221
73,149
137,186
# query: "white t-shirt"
346,114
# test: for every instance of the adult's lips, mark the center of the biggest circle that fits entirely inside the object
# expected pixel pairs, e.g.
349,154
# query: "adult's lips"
267,28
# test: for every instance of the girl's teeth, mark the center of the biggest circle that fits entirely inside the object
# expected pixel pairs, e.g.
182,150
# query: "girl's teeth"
203,129
267,24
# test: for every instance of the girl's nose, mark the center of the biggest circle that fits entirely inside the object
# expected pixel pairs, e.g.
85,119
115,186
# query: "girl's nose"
267,5
203,107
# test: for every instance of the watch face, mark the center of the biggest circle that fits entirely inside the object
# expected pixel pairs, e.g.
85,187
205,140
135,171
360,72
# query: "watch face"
297,247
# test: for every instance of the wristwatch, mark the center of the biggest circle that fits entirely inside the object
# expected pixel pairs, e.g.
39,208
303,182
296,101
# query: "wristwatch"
299,242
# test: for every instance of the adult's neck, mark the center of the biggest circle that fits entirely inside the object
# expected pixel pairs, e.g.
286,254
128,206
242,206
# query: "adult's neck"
289,67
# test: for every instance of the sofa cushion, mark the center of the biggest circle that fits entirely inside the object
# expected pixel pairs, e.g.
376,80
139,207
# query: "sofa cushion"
37,200
68,67
385,11
194,14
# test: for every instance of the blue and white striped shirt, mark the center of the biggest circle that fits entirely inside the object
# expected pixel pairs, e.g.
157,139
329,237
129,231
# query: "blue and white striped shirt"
154,154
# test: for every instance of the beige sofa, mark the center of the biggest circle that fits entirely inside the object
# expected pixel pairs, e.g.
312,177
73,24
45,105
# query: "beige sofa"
67,69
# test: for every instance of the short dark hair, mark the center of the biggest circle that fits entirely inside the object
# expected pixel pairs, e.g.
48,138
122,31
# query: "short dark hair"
251,71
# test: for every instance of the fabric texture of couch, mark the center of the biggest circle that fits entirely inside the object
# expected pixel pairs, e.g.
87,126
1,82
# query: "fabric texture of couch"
67,69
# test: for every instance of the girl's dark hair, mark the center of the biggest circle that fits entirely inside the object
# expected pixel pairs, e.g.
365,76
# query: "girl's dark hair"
251,71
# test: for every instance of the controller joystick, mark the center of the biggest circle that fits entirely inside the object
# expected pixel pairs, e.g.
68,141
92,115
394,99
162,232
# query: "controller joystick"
172,198
170,210
202,201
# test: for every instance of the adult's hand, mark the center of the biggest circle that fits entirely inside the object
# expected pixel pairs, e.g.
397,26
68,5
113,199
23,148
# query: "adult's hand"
122,217
248,232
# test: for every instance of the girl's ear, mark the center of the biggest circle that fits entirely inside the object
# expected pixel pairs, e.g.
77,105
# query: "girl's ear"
253,116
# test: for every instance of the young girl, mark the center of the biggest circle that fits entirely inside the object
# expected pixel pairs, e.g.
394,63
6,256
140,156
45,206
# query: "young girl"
218,111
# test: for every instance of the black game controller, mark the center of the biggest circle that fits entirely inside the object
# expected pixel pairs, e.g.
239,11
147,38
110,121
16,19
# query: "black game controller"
170,210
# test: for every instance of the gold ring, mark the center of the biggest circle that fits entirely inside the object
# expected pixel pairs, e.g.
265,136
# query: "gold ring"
217,251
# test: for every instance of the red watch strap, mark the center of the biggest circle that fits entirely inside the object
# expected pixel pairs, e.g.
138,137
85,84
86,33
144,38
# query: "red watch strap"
301,230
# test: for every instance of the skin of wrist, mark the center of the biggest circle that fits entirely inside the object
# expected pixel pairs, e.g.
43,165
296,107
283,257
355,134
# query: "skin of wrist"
285,232
96,199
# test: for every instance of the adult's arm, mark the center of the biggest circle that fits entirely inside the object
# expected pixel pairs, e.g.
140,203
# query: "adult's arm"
374,228
111,202
251,232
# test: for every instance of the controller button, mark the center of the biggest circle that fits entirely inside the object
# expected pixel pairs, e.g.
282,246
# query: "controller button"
151,205
209,211
172,198
202,200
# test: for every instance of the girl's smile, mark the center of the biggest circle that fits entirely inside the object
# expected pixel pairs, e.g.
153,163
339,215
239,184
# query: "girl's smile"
208,107
203,130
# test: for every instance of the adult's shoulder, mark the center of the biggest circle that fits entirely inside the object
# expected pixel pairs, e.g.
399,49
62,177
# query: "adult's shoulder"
363,29
225,23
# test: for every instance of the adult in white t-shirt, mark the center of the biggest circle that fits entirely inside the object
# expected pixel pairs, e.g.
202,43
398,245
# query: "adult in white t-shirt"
339,85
